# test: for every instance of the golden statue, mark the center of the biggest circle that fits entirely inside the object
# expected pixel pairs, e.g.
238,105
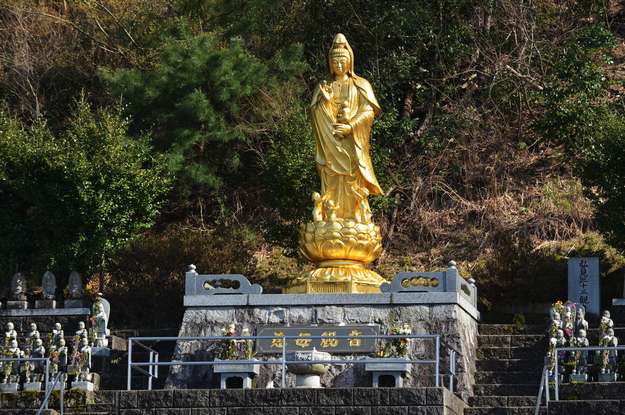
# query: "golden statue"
342,240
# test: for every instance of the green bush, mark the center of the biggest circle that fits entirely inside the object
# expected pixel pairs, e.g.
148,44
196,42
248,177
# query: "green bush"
72,200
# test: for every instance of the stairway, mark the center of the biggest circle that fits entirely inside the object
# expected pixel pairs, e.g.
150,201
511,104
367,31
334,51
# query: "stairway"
508,370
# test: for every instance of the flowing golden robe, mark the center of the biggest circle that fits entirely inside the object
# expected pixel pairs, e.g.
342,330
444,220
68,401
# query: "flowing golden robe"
344,164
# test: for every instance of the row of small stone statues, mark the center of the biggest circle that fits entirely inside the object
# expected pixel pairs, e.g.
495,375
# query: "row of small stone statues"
78,359
18,289
568,328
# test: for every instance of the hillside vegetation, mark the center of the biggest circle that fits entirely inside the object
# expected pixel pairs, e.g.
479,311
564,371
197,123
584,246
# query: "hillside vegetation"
501,144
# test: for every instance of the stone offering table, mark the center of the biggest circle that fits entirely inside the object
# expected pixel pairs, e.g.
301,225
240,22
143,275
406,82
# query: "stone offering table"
229,372
382,368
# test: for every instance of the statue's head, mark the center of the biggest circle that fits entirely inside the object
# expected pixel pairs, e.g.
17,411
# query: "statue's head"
33,327
582,333
606,314
560,333
57,326
610,332
38,343
13,344
341,56
62,342
10,326
81,325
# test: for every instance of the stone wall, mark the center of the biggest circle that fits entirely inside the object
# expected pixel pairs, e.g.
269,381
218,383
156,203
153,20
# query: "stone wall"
431,313
353,401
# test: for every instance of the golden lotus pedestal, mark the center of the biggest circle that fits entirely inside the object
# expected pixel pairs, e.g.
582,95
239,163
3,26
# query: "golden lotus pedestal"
341,249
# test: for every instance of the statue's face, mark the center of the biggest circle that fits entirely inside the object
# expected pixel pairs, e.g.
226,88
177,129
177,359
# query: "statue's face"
62,342
606,314
33,327
10,326
610,332
339,65
57,326
81,325
582,333
38,342
13,344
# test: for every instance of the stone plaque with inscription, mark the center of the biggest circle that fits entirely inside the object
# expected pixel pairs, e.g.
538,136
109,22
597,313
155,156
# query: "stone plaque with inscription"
584,283
330,340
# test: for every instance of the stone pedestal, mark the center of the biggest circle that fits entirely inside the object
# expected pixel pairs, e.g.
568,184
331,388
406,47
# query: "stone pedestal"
83,385
17,305
73,304
308,375
236,376
382,369
9,387
448,314
59,385
32,386
100,352
606,377
578,377
45,304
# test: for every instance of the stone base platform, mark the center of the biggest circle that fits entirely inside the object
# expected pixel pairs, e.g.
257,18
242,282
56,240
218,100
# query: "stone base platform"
365,401
446,313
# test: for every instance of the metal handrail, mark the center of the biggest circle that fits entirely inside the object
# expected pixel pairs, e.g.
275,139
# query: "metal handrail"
544,385
573,349
282,361
32,359
44,404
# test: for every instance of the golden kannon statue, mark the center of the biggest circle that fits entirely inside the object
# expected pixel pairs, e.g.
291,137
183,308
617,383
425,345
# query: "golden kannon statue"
342,240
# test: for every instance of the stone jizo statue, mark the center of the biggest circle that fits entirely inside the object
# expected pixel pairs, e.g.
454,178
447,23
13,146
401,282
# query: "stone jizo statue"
75,287
101,323
62,354
85,355
605,323
10,332
18,287
33,333
48,282
57,333
580,321
82,331
39,351
608,357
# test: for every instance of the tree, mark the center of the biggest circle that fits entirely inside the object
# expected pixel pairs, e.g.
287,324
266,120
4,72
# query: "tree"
71,201
204,102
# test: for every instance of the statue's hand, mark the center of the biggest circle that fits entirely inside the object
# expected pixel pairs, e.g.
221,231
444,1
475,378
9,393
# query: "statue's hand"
342,130
326,90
